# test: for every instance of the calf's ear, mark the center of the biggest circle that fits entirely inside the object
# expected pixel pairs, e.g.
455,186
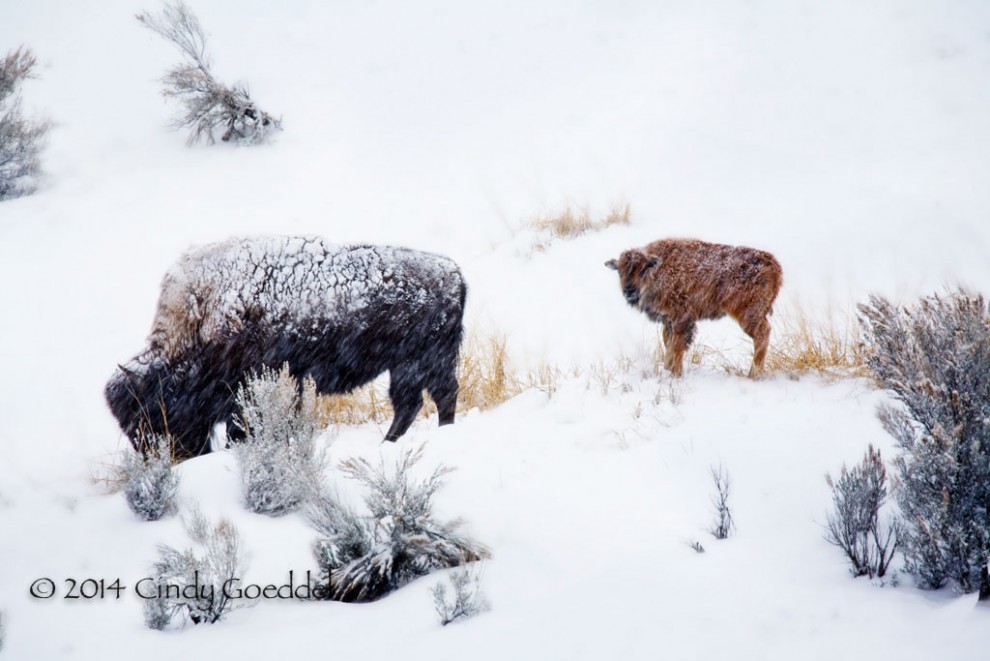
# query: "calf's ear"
612,264
646,262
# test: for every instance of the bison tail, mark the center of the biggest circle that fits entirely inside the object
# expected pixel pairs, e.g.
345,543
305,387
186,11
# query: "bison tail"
463,294
777,275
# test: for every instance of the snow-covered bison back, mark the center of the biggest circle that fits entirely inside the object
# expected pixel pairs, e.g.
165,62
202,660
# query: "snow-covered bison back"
678,282
339,314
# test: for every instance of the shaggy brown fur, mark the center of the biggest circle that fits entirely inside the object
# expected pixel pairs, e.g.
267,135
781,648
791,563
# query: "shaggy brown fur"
678,282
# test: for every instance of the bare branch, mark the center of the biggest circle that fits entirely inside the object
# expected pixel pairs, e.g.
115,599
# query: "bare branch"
178,25
21,139
16,67
854,522
723,524
209,104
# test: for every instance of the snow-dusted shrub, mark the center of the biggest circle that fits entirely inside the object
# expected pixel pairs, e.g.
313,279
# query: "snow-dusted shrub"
364,556
935,359
280,465
150,481
191,586
210,105
21,139
469,599
854,522
723,525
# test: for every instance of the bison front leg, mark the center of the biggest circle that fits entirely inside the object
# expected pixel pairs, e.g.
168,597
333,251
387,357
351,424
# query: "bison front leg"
192,445
444,394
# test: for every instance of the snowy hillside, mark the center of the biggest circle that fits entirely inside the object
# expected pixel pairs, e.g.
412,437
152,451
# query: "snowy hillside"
851,140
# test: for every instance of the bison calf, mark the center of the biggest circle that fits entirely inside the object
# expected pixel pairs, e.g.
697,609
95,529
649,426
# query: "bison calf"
339,314
678,282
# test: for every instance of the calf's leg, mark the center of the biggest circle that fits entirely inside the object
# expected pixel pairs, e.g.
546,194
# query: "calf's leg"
759,330
681,336
668,332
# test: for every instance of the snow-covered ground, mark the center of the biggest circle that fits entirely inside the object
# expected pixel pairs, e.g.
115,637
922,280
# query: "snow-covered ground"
851,139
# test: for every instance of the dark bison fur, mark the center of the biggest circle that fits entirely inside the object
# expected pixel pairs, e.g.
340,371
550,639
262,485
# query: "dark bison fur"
342,315
678,282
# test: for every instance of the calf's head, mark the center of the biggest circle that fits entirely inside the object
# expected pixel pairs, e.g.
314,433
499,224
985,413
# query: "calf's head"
633,267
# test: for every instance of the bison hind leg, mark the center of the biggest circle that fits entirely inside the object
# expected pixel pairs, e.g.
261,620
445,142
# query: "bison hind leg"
444,394
407,399
760,332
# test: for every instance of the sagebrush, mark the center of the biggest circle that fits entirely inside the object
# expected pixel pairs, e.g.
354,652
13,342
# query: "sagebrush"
723,525
187,586
469,599
365,555
281,466
854,523
150,480
934,358
21,138
210,106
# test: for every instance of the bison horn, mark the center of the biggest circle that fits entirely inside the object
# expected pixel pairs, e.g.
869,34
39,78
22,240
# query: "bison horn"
130,374
612,264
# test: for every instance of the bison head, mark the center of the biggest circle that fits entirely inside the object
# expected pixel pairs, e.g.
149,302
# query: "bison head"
149,397
633,266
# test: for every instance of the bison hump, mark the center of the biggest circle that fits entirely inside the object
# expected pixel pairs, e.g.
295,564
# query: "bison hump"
292,284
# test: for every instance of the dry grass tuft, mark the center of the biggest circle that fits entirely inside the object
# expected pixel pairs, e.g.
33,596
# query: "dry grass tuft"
798,344
545,378
571,223
483,375
703,354
109,476
802,344
368,403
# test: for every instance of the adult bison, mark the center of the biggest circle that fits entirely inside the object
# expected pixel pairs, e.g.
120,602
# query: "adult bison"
678,282
341,314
